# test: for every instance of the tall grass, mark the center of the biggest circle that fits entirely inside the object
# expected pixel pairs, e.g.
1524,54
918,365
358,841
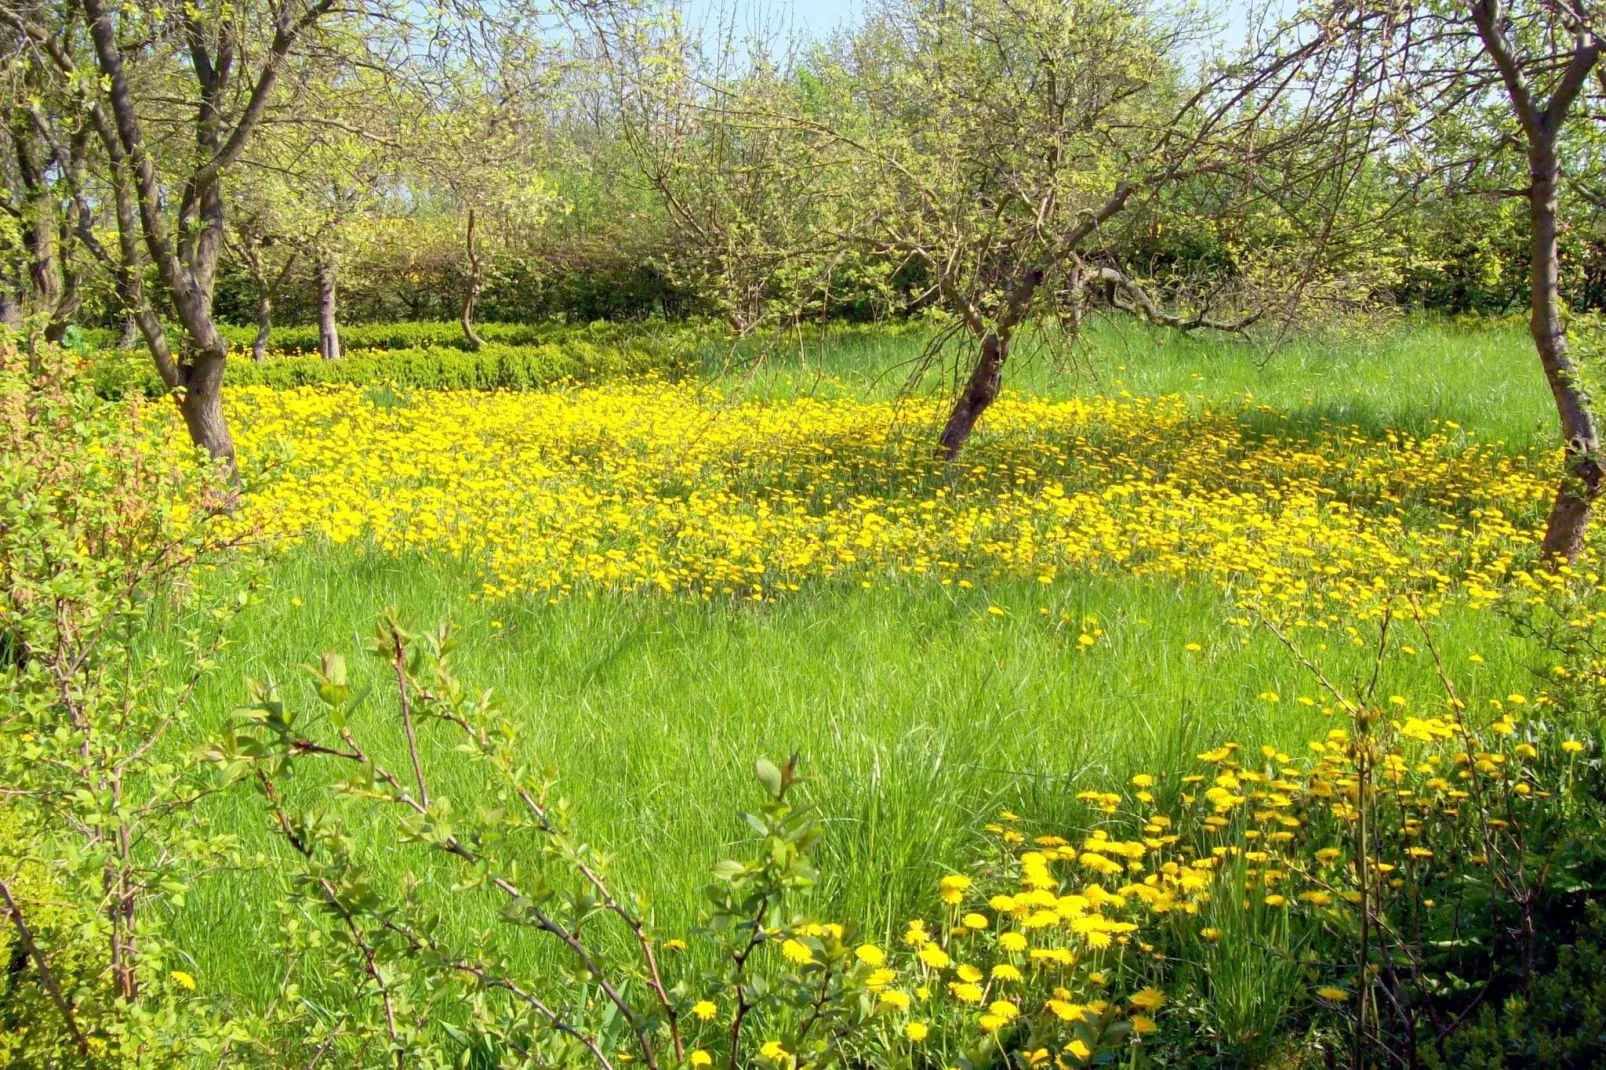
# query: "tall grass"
917,712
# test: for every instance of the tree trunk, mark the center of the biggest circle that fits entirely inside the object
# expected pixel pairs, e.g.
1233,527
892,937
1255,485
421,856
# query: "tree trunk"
979,393
202,404
259,344
328,330
1581,483
473,292
130,336
10,308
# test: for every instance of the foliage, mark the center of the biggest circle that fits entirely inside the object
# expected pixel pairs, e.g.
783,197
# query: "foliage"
101,535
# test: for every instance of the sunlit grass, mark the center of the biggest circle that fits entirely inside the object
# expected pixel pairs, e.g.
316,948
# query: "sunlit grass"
919,710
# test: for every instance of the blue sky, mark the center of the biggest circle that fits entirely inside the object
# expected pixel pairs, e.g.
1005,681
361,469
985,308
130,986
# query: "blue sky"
818,18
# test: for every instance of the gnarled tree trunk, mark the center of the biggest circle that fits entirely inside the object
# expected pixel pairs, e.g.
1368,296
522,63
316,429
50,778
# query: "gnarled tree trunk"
259,344
472,294
1582,480
979,392
1541,123
328,329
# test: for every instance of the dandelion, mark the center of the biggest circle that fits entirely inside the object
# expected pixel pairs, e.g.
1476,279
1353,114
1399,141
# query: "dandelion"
870,955
1148,999
1079,1050
1572,746
704,1009
1012,941
917,1031
797,951
1331,994
974,921
1004,1009
674,945
700,1058
183,980
895,999
935,957
966,991
773,1051
1004,971
953,888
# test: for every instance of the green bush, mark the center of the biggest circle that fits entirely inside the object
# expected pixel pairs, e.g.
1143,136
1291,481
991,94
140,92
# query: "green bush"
498,366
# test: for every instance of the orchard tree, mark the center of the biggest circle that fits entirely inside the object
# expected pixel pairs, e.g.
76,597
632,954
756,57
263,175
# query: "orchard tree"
999,144
1501,101
488,150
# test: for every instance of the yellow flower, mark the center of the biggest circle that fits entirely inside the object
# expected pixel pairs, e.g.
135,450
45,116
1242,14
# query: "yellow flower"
995,611
895,999
1143,780
1004,1009
967,972
1142,1024
183,980
879,978
870,955
1012,941
1211,935
953,888
797,951
990,1023
935,957
917,1031
700,1058
1149,999
966,991
1331,994
1079,1050
674,945
704,1009
1005,972
773,1051
974,921
1572,746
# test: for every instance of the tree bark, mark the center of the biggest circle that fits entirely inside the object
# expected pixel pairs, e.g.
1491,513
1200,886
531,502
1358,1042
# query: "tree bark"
472,294
10,308
979,393
328,329
259,344
130,336
1582,479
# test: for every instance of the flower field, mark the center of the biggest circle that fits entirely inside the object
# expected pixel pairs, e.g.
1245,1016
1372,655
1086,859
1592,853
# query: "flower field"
678,489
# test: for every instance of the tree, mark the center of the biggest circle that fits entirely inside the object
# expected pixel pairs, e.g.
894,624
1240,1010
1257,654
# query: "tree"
224,61
1486,100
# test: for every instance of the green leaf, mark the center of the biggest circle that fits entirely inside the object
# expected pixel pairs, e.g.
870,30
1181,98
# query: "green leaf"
769,775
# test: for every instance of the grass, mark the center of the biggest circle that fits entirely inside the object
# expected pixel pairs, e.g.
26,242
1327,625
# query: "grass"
917,712
1403,377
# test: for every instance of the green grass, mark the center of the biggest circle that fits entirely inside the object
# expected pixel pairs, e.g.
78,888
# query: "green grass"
917,713
1405,376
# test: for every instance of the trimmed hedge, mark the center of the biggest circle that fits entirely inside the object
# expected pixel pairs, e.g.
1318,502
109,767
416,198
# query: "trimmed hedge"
432,355
496,367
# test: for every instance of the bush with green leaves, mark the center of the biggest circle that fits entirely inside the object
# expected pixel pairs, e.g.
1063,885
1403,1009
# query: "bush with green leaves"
103,533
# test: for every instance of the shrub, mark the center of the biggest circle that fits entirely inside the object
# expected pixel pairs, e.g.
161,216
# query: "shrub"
102,531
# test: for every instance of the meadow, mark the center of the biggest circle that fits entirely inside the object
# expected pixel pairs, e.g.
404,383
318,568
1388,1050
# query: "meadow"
665,581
